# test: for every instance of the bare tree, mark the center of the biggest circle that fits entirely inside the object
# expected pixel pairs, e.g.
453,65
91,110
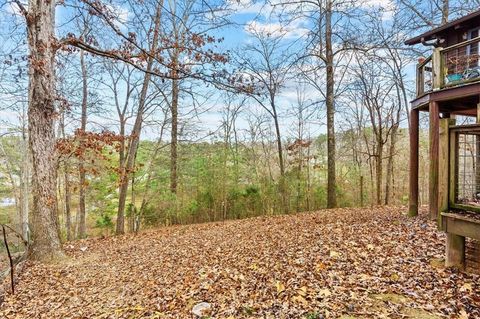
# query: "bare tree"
43,46
267,67
374,88
299,150
186,22
326,48
137,127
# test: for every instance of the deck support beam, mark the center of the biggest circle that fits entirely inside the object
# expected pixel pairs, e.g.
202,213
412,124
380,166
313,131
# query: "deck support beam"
434,112
478,111
414,128
444,160
455,251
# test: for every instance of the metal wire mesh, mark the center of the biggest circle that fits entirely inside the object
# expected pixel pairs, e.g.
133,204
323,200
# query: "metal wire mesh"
462,63
468,169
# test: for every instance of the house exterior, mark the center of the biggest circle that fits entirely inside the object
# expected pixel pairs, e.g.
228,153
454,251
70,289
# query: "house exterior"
448,86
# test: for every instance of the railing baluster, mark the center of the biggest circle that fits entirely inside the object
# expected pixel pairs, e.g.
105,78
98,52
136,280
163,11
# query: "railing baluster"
460,63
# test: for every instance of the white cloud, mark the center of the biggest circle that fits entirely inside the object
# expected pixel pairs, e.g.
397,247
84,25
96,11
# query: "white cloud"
378,3
249,7
275,29
121,14
387,7
8,119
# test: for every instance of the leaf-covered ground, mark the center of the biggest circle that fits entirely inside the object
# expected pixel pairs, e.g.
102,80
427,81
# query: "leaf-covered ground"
347,263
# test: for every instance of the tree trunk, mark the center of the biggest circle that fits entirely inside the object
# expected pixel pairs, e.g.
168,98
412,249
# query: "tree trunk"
361,191
445,11
279,143
68,215
372,182
308,179
82,227
150,173
68,218
132,207
25,191
121,164
174,138
330,103
282,184
41,124
299,178
137,128
389,184
379,172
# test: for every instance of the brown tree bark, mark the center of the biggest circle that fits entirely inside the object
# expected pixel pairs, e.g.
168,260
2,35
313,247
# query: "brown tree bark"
25,185
330,103
282,183
122,117
413,179
68,193
68,196
137,127
82,227
279,139
133,209
379,169
174,137
41,115
445,11
150,175
390,185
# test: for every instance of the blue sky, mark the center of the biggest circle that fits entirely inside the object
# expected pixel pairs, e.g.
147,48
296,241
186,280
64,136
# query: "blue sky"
256,16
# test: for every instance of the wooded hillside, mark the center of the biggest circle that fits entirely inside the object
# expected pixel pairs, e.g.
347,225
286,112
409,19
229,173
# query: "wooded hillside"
124,122
347,263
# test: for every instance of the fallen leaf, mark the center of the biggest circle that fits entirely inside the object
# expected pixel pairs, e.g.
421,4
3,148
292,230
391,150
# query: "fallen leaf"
280,287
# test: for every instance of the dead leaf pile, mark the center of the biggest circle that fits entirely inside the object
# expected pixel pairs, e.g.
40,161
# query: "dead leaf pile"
343,263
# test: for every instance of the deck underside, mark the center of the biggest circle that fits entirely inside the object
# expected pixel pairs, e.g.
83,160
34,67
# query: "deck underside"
460,100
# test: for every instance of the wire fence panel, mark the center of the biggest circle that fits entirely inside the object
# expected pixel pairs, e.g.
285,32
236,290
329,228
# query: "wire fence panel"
13,250
468,169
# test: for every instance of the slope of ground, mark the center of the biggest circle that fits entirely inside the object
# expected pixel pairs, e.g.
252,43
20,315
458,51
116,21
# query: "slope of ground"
348,263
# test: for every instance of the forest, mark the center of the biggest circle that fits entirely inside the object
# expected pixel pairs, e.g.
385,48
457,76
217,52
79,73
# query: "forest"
131,120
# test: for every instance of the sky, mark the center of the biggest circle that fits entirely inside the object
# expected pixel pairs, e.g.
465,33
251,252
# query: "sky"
249,17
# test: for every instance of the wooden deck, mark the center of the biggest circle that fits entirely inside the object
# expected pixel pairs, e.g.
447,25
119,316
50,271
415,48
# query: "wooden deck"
461,224
461,100
447,85
463,239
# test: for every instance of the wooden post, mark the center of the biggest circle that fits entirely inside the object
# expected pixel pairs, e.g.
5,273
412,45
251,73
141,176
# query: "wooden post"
443,158
420,81
478,112
434,162
452,188
455,251
453,169
437,64
477,157
413,198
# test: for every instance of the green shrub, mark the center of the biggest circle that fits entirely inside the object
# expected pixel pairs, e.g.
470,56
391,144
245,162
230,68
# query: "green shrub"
104,221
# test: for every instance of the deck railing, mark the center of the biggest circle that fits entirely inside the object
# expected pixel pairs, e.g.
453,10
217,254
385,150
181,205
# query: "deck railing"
446,67
424,76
